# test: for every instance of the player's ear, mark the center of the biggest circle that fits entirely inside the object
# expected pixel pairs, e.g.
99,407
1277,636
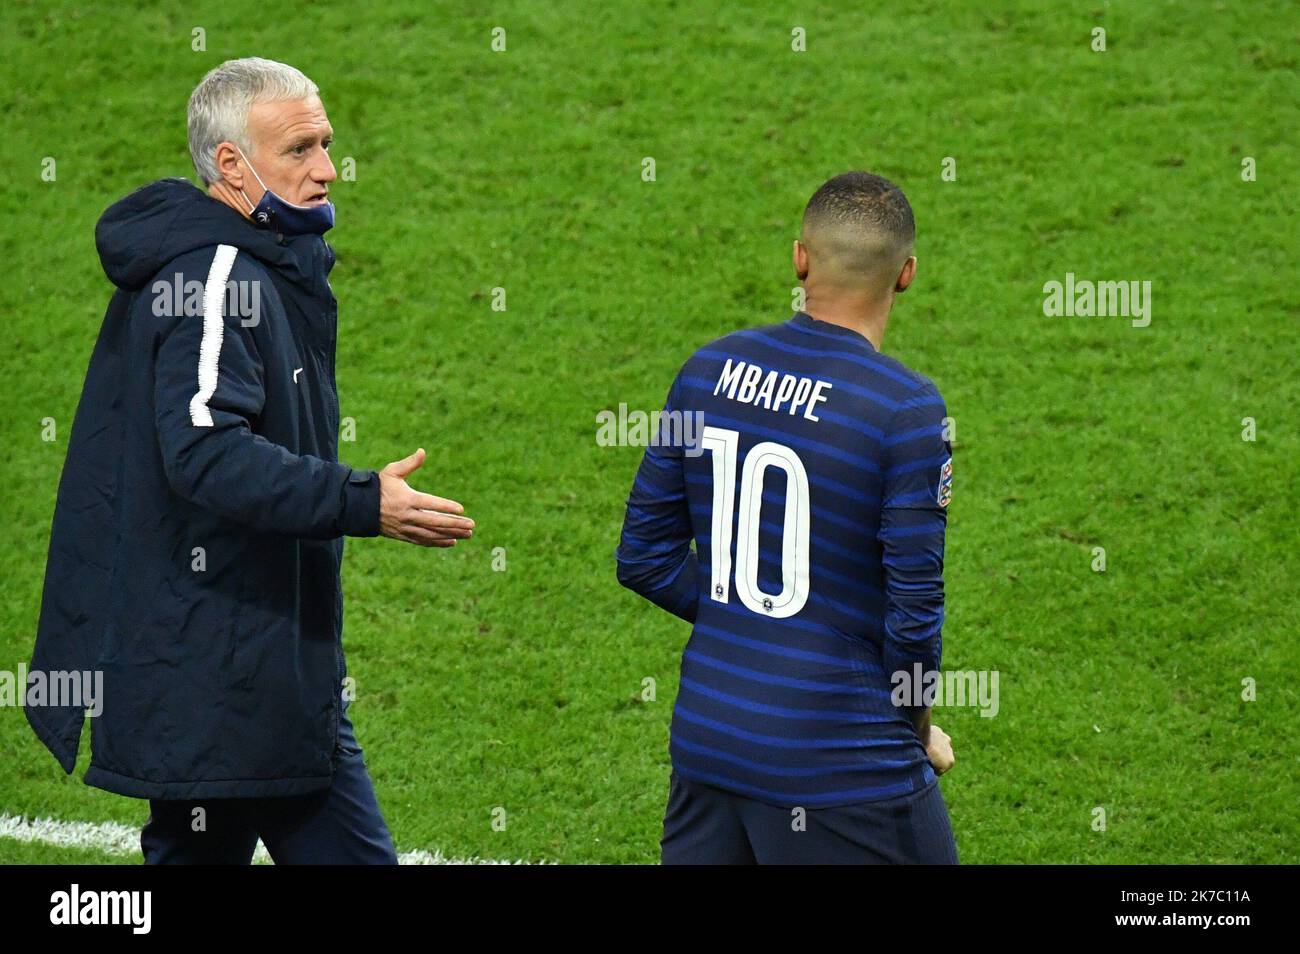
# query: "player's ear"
800,260
906,276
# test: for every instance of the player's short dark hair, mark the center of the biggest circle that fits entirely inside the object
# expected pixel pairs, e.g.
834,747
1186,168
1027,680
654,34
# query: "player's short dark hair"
864,202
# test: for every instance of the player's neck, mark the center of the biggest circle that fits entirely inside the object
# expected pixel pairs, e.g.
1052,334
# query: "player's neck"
867,318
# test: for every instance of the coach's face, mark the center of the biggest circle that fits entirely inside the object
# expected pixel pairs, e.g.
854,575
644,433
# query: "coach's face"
291,143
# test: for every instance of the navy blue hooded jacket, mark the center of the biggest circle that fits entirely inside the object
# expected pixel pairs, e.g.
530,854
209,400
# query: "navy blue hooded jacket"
196,545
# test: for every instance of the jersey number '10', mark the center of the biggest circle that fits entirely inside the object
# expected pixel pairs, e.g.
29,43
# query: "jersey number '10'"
724,445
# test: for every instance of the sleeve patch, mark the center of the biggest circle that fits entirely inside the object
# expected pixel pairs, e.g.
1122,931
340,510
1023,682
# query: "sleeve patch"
945,483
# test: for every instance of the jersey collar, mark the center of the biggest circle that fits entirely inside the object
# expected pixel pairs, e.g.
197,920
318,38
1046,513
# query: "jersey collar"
809,323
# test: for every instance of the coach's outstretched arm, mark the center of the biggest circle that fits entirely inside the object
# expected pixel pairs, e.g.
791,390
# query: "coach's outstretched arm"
917,465
208,385
654,555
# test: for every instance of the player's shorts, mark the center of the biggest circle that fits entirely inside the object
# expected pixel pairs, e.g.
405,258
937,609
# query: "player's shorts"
340,825
704,825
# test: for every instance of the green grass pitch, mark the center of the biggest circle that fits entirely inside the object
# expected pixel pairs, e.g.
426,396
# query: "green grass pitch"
480,688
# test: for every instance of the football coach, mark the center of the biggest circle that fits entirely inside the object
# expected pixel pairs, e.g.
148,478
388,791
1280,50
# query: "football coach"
197,539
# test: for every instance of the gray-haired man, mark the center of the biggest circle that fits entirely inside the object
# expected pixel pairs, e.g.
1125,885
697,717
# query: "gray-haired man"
196,550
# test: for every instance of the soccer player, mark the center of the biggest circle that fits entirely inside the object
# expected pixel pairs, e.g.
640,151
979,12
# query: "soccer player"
815,491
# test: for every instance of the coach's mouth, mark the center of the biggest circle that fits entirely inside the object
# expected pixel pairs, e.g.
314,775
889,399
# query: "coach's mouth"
320,198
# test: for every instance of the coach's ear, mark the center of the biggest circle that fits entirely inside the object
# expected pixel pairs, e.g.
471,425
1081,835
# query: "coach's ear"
800,260
228,164
906,276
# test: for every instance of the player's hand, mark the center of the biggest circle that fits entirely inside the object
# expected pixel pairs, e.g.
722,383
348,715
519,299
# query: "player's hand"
940,750
422,519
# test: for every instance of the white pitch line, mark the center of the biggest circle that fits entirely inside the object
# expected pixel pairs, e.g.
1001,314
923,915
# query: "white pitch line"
108,838
112,838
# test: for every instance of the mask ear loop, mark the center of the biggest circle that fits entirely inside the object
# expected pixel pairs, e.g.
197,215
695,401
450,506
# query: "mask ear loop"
251,206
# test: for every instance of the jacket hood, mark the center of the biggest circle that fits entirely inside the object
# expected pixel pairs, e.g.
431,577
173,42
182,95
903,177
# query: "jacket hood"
141,233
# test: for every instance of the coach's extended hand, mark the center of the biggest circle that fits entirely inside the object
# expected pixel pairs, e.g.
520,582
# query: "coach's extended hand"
422,519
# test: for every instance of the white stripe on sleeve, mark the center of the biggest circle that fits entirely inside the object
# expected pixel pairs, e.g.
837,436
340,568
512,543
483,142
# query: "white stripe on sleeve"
214,324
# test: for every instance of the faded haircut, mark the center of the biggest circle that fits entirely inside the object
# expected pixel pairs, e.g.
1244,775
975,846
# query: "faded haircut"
858,229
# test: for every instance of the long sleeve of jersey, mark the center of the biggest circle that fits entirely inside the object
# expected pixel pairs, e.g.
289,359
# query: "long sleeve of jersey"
654,554
917,466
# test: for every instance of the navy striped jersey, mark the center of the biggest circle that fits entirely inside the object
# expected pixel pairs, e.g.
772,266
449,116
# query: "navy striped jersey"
812,474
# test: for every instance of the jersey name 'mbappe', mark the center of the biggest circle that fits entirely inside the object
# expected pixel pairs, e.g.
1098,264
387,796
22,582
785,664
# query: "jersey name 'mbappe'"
741,380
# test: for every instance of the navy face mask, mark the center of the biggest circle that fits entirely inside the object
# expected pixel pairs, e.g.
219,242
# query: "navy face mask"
273,212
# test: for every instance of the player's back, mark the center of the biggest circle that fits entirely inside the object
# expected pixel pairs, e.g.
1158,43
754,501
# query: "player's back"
785,685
